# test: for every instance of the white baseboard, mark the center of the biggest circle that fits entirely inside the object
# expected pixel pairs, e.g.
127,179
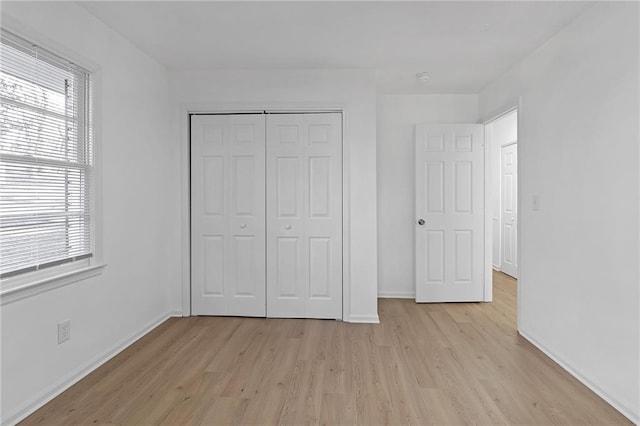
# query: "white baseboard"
622,408
396,295
367,319
76,375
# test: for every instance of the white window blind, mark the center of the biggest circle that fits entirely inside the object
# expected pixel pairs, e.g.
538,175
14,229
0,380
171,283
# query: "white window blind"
46,159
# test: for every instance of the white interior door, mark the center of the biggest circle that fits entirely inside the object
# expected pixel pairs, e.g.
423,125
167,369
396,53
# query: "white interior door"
304,215
449,213
509,208
228,215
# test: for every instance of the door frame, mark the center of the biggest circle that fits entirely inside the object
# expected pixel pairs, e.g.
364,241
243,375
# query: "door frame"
488,190
186,110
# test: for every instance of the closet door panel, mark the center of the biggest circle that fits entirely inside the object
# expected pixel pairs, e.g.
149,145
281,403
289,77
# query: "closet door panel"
323,214
285,225
227,215
304,204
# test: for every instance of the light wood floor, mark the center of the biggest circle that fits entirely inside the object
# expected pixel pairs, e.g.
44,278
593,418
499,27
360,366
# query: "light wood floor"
423,364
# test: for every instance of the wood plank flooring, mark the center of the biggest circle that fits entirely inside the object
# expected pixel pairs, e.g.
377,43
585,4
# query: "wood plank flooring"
423,364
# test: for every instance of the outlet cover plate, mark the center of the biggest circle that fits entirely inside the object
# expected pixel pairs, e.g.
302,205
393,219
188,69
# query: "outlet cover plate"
64,331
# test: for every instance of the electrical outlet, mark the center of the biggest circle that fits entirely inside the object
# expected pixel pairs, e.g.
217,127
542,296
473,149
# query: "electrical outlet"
535,203
64,331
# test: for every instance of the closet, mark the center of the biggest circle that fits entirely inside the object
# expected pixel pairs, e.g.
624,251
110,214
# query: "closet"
266,215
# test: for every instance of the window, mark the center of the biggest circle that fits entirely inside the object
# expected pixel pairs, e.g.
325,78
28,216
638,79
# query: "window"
46,160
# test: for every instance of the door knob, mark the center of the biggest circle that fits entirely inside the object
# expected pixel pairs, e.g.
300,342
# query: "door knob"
287,227
244,225
421,222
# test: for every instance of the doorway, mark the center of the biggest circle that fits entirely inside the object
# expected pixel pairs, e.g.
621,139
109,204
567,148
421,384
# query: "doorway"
502,141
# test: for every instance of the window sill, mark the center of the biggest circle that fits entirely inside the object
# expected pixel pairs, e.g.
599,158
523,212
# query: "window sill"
47,283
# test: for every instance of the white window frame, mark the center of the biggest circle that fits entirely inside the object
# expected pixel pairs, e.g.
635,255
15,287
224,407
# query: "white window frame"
31,283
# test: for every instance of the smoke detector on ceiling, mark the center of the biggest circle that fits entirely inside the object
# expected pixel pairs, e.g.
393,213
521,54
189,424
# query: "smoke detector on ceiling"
423,77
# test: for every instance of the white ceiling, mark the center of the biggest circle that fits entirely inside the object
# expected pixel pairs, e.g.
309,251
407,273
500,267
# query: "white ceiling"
464,45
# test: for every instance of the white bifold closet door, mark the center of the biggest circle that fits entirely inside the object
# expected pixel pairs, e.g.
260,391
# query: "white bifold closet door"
304,215
228,215
267,241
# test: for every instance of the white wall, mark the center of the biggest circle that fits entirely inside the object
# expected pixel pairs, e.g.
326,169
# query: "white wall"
396,121
500,132
268,89
140,216
579,152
